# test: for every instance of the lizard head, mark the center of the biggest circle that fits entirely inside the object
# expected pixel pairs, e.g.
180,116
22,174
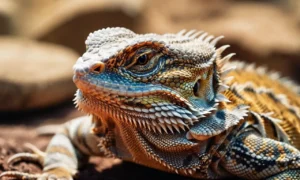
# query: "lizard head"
157,82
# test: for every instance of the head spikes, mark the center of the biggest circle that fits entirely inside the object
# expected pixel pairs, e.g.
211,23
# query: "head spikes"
228,79
196,34
226,71
189,33
225,59
216,40
275,75
222,88
262,70
202,36
208,38
221,49
180,33
75,101
222,98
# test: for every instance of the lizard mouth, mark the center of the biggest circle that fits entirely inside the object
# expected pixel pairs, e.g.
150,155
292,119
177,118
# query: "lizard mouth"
106,91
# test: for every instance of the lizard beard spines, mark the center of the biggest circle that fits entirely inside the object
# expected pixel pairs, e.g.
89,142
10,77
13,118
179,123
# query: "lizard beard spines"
160,118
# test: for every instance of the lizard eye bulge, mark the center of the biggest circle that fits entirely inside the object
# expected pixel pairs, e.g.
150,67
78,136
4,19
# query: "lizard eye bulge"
142,58
144,61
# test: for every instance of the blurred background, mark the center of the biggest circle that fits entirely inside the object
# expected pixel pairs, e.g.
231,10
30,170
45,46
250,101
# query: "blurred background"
40,40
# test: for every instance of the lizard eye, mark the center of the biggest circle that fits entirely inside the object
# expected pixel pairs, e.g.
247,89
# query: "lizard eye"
142,60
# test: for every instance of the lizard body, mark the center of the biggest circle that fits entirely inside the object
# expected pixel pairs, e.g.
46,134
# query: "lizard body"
173,103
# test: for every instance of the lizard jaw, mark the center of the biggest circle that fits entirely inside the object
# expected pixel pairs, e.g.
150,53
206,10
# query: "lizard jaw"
163,117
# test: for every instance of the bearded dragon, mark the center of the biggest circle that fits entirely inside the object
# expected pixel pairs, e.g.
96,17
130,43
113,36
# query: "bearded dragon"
173,103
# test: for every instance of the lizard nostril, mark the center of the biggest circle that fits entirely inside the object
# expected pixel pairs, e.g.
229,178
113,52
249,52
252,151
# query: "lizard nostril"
97,68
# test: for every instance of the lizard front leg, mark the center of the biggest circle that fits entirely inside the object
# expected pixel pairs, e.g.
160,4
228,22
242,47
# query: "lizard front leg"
253,157
67,150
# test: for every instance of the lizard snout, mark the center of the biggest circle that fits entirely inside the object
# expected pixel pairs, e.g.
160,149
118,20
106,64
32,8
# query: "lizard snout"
83,67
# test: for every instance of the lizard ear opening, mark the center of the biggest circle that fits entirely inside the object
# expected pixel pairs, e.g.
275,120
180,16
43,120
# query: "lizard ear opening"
196,88
203,87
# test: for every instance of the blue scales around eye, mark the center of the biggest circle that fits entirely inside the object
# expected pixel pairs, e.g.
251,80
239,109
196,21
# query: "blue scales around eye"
114,78
110,82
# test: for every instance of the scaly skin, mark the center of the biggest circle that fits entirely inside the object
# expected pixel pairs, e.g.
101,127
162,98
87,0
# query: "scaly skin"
171,102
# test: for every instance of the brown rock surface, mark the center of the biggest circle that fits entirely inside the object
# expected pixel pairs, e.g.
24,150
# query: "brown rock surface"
34,75
9,10
69,22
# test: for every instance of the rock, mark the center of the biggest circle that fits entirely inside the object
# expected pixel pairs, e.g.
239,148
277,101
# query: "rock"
258,32
294,6
69,22
34,75
8,14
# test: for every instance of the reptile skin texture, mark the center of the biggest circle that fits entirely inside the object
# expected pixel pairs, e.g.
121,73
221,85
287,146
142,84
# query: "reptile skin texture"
173,103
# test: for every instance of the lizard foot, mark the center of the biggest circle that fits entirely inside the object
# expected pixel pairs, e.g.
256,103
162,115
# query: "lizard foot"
56,173
53,174
37,155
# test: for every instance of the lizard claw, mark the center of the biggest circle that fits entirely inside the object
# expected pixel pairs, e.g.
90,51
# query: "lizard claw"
57,173
27,176
36,156
19,175
23,157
